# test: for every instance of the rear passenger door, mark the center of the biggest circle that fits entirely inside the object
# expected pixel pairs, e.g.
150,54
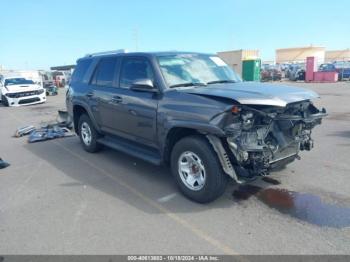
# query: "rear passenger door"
104,88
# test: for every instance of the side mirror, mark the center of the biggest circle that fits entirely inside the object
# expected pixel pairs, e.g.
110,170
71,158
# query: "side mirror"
145,85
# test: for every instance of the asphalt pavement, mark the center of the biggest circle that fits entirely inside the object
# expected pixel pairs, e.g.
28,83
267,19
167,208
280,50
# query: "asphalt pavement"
55,198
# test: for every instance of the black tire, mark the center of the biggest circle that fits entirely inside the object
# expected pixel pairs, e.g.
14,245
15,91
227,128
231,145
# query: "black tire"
215,181
4,100
93,146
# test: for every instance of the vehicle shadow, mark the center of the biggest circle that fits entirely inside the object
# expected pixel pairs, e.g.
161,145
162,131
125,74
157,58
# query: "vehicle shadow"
126,178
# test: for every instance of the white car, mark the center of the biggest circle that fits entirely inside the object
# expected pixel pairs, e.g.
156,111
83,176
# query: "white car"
17,91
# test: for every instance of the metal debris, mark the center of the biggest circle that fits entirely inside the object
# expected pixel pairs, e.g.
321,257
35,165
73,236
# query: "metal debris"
3,164
49,132
64,119
24,131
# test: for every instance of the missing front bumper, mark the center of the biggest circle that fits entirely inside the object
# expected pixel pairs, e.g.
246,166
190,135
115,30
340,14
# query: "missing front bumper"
260,166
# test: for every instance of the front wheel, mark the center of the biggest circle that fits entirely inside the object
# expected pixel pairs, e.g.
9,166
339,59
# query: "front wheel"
197,169
4,100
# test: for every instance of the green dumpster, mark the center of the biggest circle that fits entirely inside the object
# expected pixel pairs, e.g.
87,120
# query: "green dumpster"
251,69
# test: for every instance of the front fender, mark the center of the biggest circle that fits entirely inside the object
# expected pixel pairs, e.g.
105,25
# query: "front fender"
165,128
204,128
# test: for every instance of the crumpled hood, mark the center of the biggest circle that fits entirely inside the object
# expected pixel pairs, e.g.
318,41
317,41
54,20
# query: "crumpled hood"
22,88
250,93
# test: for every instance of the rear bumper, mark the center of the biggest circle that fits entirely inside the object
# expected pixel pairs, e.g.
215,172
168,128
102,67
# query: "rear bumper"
27,100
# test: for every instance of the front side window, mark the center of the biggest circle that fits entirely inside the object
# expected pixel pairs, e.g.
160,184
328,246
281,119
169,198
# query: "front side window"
135,69
326,67
105,72
342,64
195,69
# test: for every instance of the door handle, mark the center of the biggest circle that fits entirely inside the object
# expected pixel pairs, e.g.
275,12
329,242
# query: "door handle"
90,94
117,99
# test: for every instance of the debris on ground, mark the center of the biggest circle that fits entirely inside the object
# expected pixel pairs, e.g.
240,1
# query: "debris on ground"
64,119
3,164
24,131
49,132
61,127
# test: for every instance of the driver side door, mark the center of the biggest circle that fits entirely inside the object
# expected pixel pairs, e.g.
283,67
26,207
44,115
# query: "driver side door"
137,113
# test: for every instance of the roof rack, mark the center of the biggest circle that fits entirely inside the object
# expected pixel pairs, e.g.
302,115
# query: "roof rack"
119,51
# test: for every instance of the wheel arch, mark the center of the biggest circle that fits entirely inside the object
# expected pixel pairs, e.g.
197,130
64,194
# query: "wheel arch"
178,131
78,110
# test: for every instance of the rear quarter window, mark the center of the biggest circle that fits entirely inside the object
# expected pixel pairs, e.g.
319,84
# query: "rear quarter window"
80,70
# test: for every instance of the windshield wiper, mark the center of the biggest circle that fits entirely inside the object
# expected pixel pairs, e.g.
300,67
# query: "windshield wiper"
221,82
188,84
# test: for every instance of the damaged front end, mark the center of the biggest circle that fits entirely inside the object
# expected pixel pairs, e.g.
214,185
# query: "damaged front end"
259,139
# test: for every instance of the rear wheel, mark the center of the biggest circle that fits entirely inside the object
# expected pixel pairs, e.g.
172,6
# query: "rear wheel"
88,134
197,169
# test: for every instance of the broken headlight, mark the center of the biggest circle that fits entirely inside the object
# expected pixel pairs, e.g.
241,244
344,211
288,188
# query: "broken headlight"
247,120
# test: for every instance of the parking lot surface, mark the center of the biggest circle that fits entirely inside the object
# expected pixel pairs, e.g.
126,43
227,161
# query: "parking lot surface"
58,199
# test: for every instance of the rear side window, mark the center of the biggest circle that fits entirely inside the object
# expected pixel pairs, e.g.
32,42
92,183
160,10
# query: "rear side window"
80,70
105,72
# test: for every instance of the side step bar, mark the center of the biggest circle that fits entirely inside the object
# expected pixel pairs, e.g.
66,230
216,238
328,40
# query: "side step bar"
132,149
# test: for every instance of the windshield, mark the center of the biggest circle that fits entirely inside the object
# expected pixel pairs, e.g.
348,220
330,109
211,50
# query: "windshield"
195,69
326,67
18,81
342,64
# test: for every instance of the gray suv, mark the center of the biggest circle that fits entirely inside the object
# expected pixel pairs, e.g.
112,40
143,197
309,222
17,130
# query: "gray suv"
192,112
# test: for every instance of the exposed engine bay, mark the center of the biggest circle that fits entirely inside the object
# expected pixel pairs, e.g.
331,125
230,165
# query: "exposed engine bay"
263,138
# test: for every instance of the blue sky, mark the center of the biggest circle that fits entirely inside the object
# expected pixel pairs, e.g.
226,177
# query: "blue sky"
38,34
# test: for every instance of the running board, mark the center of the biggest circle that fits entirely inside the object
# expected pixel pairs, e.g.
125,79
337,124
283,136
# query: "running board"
142,152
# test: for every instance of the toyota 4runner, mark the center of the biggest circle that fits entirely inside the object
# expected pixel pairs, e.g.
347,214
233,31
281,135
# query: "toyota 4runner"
192,112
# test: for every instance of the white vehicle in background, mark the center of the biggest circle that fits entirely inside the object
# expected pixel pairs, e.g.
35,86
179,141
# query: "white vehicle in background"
33,75
17,91
62,78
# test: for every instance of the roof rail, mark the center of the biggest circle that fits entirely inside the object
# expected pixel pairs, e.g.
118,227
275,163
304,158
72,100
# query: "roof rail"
119,51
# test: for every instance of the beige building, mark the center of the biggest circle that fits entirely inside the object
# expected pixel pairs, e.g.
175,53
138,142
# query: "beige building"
234,58
299,54
337,55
